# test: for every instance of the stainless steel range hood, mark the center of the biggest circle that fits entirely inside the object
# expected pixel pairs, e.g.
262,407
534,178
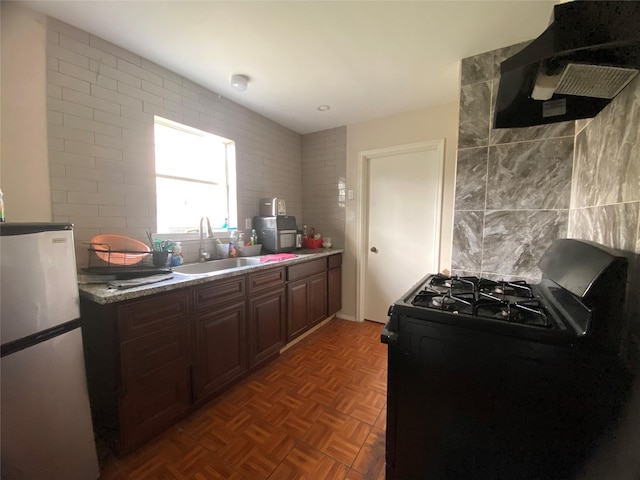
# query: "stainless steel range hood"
587,55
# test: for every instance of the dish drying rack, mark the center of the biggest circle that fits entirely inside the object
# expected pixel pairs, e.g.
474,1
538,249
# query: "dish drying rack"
103,260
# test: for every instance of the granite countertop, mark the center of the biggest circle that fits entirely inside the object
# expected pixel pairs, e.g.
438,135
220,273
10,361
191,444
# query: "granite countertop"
102,294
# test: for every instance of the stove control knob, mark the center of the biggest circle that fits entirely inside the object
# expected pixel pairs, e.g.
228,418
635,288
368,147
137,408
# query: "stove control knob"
374,250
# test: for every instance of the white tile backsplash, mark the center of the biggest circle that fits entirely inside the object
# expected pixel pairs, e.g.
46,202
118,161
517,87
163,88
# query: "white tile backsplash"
324,168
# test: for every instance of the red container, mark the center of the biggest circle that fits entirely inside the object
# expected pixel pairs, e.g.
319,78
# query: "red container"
311,243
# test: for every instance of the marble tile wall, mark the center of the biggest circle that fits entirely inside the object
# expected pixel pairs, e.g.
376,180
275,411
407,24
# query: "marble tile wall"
519,189
605,197
512,185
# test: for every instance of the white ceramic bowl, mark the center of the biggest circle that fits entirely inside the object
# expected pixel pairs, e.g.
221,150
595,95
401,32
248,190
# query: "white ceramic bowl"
326,244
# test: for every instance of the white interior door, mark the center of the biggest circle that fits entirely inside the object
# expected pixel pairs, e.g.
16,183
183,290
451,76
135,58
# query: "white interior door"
403,218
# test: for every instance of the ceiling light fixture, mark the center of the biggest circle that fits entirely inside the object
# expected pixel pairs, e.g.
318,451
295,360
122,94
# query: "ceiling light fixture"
323,108
239,82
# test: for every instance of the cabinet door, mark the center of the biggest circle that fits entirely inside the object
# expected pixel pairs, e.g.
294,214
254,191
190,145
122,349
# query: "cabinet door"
221,353
334,290
317,298
151,408
156,383
266,325
297,308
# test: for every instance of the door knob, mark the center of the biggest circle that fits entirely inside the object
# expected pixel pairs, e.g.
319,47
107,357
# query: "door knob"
374,250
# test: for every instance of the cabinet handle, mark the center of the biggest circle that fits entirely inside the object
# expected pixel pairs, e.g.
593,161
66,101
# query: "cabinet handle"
374,250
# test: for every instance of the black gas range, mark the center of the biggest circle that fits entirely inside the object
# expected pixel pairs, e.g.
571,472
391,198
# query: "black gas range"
506,379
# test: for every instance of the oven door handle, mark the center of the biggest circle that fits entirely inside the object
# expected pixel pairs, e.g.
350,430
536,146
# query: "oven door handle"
390,338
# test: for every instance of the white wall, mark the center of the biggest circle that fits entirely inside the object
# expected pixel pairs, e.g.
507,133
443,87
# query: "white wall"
24,167
405,128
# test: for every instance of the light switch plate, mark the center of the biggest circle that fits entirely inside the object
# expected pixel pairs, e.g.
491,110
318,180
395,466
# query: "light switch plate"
247,224
350,195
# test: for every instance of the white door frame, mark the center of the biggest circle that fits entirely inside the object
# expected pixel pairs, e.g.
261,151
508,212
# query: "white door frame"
362,208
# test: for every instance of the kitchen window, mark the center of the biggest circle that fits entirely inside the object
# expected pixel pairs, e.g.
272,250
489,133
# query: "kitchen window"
195,178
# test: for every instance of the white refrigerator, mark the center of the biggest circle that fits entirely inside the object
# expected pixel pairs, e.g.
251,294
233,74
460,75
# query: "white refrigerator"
45,418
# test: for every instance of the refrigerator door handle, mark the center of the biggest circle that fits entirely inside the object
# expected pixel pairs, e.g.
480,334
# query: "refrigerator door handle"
39,337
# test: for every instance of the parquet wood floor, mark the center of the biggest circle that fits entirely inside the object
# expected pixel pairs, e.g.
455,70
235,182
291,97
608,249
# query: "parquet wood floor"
315,413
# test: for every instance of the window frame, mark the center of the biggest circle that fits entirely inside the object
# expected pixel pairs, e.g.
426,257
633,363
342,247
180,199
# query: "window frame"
230,179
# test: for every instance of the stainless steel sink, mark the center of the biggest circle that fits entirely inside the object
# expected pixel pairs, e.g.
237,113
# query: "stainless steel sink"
216,265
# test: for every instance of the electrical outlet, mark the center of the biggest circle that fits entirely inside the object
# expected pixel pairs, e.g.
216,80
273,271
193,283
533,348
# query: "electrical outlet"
247,223
350,195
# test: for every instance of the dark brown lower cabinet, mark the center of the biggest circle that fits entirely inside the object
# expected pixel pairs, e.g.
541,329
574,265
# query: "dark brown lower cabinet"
306,304
152,360
221,348
150,408
297,308
266,325
156,366
317,298
138,356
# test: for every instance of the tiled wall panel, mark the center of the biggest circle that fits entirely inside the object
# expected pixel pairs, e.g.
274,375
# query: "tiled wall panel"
467,245
512,185
471,178
101,102
514,240
605,204
324,182
530,175
518,189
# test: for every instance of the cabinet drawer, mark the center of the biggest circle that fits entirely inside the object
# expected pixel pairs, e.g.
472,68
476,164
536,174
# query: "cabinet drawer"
145,316
218,293
334,261
147,359
302,270
265,280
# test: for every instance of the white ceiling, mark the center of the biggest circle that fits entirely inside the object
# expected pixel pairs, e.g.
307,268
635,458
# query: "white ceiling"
365,59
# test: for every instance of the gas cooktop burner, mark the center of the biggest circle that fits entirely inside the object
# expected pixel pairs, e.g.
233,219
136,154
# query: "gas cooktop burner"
480,297
517,288
444,284
442,301
530,313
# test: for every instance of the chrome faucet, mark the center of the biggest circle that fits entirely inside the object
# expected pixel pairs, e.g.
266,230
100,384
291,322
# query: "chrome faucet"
203,255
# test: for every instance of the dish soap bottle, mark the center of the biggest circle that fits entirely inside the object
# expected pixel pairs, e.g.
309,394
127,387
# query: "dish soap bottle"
177,258
233,241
